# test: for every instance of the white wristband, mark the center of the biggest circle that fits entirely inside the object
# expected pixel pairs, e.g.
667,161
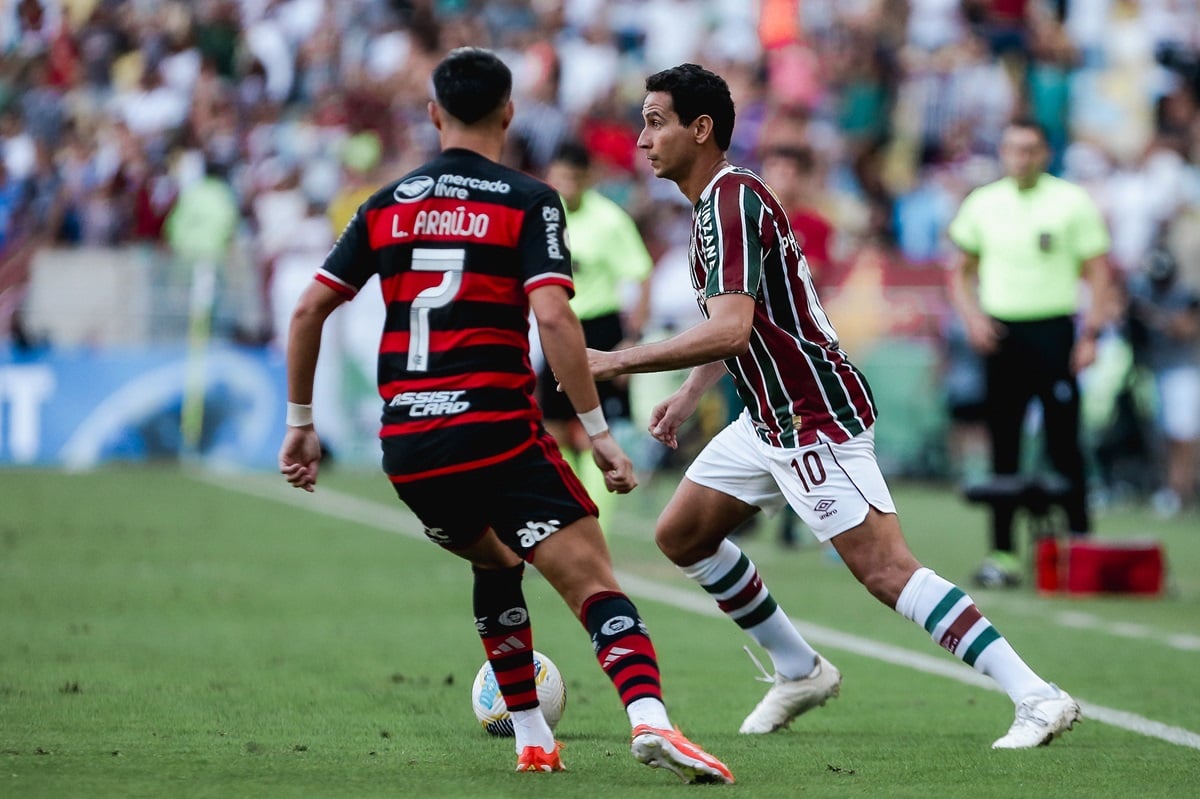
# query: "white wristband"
299,415
593,422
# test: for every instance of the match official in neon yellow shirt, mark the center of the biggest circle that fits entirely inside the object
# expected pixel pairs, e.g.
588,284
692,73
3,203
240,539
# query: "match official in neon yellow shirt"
607,257
1025,242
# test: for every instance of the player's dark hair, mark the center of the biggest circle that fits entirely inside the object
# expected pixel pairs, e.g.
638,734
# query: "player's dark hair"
1029,123
573,153
696,92
470,83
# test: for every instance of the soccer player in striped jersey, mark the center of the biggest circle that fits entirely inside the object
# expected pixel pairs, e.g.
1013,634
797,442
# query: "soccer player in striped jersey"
805,437
464,248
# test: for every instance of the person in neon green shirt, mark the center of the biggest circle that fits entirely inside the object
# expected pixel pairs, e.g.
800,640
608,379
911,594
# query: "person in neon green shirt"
1025,241
607,257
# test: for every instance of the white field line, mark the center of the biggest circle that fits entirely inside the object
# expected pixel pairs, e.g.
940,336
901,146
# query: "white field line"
1083,620
398,520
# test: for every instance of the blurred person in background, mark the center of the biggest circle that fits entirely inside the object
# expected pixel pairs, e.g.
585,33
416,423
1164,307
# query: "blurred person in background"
1164,326
1025,241
294,235
541,124
358,323
608,259
200,231
795,176
806,438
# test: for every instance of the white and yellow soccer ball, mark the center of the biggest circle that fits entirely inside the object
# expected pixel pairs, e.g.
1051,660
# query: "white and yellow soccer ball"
489,705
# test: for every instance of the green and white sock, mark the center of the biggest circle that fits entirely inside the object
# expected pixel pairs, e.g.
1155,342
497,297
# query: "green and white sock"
950,617
732,579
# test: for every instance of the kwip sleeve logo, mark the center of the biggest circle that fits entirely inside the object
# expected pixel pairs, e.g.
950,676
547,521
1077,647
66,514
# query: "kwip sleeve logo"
554,230
413,189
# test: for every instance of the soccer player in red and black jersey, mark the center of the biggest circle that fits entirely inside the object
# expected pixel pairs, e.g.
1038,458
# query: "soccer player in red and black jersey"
465,248
806,437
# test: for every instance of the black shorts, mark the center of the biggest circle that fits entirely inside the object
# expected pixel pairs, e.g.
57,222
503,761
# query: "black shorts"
602,333
524,499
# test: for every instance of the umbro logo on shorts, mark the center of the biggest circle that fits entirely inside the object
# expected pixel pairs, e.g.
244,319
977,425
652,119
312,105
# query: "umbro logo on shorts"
825,508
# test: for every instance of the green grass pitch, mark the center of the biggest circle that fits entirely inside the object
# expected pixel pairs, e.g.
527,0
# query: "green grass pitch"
165,633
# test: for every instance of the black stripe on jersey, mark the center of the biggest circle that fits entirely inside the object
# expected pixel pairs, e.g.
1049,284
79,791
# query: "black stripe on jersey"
487,358
484,259
466,315
439,449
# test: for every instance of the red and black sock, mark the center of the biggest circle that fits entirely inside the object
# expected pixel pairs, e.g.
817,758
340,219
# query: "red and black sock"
622,646
502,619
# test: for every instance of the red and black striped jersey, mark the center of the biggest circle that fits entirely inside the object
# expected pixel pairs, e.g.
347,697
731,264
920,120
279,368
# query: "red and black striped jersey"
458,244
795,380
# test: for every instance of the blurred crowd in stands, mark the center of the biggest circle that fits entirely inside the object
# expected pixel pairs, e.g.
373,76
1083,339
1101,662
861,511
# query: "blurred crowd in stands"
246,132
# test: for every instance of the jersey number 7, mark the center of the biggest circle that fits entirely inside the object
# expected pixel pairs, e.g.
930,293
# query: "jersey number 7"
450,264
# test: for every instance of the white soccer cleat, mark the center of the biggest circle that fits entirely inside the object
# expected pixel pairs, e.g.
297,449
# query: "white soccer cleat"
1040,719
787,699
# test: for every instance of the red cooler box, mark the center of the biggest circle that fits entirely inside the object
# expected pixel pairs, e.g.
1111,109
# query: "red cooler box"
1124,567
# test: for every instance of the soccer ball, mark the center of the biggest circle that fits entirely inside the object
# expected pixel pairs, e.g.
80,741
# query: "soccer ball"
489,705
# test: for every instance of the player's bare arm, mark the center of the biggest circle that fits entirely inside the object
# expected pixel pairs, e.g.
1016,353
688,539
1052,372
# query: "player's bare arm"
300,453
982,331
725,334
562,342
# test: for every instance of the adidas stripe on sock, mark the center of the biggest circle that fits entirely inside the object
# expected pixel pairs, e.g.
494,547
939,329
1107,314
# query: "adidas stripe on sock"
502,619
622,646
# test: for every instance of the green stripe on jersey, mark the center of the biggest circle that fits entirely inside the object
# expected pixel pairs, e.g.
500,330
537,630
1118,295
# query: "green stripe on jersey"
837,395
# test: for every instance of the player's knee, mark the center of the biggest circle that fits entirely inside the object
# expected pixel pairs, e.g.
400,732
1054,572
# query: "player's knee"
673,542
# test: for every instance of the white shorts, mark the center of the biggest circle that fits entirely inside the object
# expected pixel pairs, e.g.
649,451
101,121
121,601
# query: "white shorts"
1179,402
829,486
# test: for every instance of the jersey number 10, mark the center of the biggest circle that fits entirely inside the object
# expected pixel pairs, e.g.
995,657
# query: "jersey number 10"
811,472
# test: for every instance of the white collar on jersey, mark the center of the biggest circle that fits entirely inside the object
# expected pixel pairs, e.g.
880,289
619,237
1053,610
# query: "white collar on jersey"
708,189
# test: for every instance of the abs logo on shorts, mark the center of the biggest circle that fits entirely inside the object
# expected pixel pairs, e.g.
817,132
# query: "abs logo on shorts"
513,617
825,508
534,532
437,535
413,189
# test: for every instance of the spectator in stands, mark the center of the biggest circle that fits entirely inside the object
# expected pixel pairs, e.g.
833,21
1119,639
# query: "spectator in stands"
1164,318
794,174
540,124
1025,241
